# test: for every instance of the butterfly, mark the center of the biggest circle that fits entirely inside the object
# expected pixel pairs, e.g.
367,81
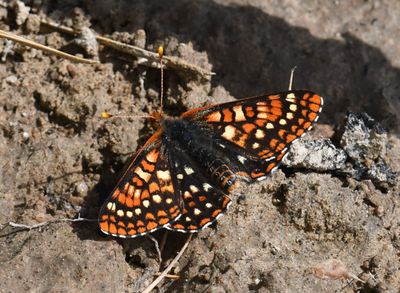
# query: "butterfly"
182,177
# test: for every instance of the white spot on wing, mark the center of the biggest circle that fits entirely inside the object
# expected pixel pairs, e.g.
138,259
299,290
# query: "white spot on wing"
241,159
193,188
229,132
188,170
164,175
207,186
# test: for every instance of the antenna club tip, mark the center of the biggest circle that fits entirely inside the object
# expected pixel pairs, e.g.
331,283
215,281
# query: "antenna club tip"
105,115
160,51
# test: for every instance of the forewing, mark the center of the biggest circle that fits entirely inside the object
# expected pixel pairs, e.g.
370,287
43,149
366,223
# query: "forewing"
261,127
203,202
144,199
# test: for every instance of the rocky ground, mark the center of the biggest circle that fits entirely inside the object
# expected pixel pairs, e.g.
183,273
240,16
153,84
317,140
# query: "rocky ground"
327,221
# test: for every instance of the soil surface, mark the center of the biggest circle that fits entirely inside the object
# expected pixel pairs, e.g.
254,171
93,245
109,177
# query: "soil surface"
328,223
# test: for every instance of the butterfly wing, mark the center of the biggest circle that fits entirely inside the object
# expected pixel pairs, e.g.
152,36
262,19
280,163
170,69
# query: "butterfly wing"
256,132
144,199
204,202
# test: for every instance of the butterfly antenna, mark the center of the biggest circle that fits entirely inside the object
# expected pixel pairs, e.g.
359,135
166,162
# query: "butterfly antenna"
161,54
291,78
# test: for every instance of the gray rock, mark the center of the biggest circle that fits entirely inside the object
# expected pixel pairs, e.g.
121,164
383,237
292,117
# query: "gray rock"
365,141
363,138
319,155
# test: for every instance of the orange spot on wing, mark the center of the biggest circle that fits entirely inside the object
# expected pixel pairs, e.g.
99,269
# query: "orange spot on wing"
121,231
139,223
282,133
141,230
274,97
306,96
304,113
270,167
121,224
315,99
131,232
147,167
163,221
121,198
276,112
179,226
112,229
150,216
216,213
300,121
129,202
248,127
204,221
112,219
280,147
300,132
276,104
192,204
151,225
202,198
104,226
249,112
312,116
273,143
161,213
130,225
293,128
192,227
314,107
145,194
227,115
290,137
153,187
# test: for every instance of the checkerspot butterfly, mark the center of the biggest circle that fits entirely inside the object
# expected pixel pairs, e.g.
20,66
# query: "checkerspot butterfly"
182,177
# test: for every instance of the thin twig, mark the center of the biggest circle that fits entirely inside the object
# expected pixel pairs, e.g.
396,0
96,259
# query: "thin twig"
169,276
157,247
35,45
153,58
170,266
35,226
291,78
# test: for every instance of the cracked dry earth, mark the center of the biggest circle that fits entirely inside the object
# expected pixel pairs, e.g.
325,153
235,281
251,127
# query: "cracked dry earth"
327,221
